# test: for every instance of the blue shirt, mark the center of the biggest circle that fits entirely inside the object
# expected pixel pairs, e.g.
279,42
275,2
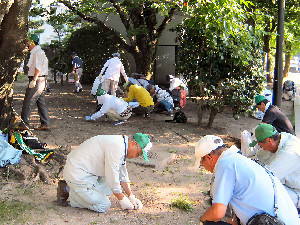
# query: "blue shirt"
77,62
248,188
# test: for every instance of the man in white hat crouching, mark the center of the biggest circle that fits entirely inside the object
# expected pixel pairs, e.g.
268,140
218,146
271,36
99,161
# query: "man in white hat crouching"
243,184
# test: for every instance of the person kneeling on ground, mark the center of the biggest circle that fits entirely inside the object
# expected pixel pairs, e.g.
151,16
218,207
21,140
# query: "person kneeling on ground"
115,108
281,154
241,183
97,168
273,115
164,99
142,96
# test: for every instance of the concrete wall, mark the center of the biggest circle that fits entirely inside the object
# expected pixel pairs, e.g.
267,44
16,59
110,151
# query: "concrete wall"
166,52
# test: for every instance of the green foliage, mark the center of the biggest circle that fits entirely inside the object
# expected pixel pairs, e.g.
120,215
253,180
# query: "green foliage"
222,69
182,203
93,46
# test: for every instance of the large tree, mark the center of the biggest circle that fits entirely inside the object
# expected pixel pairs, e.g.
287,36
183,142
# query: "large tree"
219,55
14,20
140,22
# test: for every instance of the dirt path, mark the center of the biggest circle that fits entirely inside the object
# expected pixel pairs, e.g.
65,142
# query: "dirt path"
169,174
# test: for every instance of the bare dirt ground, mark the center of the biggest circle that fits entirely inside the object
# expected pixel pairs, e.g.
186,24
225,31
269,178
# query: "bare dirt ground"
169,174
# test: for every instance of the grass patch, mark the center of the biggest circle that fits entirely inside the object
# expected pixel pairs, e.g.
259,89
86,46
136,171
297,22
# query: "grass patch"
15,212
22,77
183,203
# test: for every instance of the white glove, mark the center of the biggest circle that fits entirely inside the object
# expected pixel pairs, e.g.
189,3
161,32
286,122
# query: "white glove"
32,84
126,204
136,202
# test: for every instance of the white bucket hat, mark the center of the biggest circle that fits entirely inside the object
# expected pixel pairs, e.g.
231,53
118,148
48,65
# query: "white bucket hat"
206,145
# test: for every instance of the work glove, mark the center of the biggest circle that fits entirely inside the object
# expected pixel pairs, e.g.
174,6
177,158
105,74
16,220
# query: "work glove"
32,84
126,204
88,118
136,202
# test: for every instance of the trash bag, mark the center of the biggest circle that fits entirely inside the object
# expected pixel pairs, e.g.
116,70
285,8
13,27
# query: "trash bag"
8,154
246,139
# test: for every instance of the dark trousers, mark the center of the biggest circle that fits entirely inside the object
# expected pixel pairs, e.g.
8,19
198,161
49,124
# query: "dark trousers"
35,96
141,110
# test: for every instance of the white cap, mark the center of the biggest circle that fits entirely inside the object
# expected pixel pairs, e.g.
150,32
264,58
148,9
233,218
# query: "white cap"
116,54
206,145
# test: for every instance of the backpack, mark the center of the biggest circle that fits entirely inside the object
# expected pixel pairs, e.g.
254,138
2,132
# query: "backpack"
288,85
179,117
32,141
179,97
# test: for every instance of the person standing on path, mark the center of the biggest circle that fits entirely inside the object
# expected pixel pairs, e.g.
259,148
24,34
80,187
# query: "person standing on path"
77,69
38,70
113,69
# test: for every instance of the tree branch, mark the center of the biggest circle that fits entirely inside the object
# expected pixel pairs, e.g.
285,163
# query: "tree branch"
122,14
165,22
100,24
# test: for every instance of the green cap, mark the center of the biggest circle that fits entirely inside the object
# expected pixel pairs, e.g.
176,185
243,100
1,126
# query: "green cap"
34,37
263,131
100,92
258,99
144,141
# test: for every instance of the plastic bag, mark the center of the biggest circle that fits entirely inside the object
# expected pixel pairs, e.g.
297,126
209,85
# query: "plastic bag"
246,139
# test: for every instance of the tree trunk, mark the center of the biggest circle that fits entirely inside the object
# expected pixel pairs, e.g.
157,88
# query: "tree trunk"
212,116
142,29
287,59
14,20
200,111
267,39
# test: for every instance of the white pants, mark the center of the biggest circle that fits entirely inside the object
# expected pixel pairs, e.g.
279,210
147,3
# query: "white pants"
110,85
77,82
91,196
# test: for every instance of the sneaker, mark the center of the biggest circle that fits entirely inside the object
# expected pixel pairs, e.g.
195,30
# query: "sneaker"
80,90
119,122
62,193
171,112
43,128
75,91
147,115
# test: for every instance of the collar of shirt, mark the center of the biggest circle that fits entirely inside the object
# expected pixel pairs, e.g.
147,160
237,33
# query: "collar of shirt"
36,48
288,141
267,106
232,150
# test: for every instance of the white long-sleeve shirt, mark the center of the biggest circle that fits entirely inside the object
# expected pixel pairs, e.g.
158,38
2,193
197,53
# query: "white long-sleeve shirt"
109,102
163,95
99,156
38,60
285,162
113,68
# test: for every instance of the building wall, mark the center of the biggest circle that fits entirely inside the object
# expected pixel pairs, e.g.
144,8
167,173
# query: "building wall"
166,52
